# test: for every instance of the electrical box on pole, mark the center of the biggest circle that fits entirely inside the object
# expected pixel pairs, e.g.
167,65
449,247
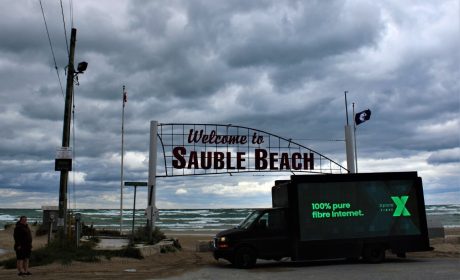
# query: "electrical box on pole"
63,161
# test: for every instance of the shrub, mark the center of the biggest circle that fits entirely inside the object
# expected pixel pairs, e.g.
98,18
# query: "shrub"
41,230
142,235
65,252
7,226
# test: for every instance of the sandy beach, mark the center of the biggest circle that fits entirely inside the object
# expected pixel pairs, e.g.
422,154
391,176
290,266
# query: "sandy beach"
170,264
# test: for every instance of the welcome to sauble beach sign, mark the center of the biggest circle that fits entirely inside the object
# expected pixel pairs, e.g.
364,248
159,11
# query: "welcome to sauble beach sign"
204,149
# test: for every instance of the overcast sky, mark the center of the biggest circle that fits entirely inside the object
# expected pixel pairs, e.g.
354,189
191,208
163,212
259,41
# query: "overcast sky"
279,66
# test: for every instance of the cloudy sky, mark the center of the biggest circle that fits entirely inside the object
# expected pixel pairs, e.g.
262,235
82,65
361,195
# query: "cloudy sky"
275,65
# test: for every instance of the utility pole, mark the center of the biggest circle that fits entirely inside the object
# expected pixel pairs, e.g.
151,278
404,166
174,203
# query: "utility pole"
66,136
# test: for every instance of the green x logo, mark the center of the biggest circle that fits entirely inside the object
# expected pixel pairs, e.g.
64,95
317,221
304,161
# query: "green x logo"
400,206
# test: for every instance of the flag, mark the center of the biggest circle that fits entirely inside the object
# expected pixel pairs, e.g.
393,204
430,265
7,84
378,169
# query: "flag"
362,116
125,98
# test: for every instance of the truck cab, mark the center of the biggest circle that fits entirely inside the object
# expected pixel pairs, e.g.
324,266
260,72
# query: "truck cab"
264,234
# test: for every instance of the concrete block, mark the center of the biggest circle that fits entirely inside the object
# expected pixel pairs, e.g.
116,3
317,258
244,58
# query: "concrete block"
455,239
435,228
148,250
204,246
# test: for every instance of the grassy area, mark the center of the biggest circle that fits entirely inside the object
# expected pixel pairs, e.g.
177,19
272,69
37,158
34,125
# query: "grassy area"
65,252
141,235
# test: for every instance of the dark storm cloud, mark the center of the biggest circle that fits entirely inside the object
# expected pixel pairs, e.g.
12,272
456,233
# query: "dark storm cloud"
446,156
301,33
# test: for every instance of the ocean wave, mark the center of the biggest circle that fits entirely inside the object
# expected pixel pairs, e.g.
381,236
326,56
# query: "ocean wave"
188,211
200,218
443,214
451,226
6,217
189,219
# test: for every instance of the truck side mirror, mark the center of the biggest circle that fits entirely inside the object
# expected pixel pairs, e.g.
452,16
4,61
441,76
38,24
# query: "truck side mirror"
262,224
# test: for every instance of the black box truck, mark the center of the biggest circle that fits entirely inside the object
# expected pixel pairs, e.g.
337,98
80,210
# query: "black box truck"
348,216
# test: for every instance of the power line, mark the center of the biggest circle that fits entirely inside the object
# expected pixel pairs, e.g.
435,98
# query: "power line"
52,50
71,12
73,154
65,29
325,140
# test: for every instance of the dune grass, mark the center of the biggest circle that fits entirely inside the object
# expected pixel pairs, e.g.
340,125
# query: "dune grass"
65,252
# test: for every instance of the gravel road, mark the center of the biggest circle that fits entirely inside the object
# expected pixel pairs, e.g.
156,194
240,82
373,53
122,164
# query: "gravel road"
392,269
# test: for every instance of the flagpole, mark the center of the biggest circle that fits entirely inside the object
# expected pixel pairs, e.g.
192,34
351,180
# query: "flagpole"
354,134
346,106
349,150
122,156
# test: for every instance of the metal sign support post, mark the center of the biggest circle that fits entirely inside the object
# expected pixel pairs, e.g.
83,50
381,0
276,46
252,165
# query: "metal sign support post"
152,210
134,213
135,185
349,141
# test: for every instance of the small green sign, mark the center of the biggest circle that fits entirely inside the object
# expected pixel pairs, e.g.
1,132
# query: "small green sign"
400,206
137,184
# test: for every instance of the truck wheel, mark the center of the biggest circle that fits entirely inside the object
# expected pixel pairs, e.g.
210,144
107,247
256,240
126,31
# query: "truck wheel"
245,258
374,253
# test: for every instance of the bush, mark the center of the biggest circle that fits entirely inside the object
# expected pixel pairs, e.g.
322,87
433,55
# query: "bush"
171,248
89,231
9,263
157,236
107,232
65,252
7,226
141,235
41,230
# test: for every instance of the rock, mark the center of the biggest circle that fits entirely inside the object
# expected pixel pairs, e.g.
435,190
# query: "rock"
204,246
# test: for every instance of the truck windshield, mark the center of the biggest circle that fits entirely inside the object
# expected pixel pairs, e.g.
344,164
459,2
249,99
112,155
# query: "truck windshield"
249,220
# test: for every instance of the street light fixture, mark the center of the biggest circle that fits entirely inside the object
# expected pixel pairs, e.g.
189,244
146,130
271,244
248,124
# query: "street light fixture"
82,67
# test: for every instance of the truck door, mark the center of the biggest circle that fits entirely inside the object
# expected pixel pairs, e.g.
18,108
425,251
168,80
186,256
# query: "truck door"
272,239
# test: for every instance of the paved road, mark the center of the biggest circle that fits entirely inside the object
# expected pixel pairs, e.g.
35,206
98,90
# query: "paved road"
392,269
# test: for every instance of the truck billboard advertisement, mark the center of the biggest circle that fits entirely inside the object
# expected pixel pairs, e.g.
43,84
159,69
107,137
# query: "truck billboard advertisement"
358,209
332,216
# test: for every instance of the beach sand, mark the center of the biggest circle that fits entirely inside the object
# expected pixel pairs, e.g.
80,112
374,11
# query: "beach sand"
170,264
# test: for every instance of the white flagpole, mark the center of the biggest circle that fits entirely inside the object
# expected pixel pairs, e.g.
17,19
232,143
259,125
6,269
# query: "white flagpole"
354,134
349,142
122,155
152,210
346,107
